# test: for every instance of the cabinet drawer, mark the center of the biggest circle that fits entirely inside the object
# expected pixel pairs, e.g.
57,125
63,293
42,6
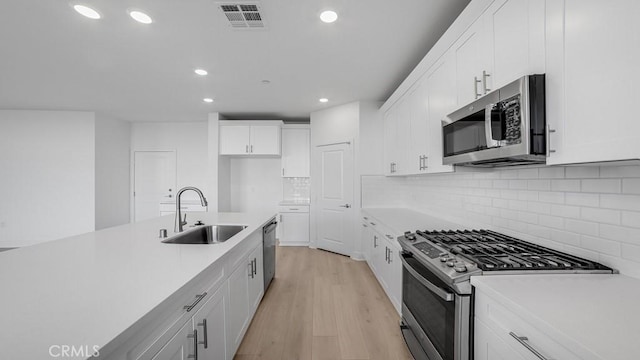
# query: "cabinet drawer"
293,208
506,325
384,231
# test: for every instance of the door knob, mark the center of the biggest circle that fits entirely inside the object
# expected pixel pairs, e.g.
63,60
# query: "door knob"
345,206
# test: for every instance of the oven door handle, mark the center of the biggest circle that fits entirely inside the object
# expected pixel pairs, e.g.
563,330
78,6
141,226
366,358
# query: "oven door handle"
446,296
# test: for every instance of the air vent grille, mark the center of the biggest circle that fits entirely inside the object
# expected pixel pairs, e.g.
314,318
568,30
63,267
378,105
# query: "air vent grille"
243,16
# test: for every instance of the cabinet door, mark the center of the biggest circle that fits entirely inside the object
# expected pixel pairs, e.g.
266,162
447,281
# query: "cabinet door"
394,277
403,137
488,346
211,326
516,40
390,133
295,229
234,140
419,134
441,93
295,152
592,56
373,243
256,282
470,59
265,140
238,315
181,345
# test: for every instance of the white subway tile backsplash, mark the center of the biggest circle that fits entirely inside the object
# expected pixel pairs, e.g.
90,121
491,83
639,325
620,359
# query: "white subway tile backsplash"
606,216
566,211
619,171
582,172
631,186
601,186
588,211
631,218
565,185
565,237
623,202
600,245
580,199
544,185
551,172
581,227
551,197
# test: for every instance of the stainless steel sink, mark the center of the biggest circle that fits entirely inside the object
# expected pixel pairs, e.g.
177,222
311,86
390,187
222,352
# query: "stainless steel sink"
207,234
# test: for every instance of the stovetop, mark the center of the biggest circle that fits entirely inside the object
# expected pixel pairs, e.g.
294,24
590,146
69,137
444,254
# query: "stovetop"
455,255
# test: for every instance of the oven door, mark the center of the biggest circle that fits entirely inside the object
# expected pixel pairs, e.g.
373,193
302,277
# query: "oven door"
435,320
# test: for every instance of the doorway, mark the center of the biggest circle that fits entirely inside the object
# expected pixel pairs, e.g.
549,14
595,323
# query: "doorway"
154,181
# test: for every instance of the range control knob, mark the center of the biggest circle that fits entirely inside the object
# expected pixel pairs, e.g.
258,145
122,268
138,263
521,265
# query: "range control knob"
460,267
410,236
451,262
444,257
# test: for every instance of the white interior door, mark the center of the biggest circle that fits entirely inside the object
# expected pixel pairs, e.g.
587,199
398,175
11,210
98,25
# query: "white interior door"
154,180
335,199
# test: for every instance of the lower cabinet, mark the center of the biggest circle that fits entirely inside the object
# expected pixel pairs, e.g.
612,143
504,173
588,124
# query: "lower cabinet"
294,225
383,256
246,287
488,346
203,336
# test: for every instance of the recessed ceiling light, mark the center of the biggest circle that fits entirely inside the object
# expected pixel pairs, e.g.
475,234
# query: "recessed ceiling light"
201,72
140,17
87,11
207,100
323,100
328,16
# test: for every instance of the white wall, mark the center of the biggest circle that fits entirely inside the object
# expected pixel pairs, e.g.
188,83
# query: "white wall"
371,152
113,151
188,139
589,211
255,184
47,186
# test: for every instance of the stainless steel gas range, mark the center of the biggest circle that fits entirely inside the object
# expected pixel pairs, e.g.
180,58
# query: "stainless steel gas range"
437,297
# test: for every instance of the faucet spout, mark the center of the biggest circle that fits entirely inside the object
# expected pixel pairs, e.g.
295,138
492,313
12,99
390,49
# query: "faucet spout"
180,222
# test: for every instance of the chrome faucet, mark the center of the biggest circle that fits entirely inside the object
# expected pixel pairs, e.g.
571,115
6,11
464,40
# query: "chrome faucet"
180,222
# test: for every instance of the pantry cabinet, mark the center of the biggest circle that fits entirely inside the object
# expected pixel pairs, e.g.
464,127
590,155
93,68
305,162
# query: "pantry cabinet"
296,145
250,137
592,56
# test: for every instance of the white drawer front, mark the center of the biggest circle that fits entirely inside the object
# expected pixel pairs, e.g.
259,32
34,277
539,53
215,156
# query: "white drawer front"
293,208
507,325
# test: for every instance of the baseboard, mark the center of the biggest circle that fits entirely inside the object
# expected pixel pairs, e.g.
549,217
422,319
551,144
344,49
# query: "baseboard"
357,256
301,243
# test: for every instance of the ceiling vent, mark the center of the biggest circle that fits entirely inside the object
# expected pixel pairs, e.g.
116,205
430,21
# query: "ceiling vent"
243,15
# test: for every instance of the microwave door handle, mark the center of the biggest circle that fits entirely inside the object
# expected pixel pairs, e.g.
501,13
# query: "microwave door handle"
446,296
488,131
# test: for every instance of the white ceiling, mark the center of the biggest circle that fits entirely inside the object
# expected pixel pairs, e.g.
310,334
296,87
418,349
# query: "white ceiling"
52,58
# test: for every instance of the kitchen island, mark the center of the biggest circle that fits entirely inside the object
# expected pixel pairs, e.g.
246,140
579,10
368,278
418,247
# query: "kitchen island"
118,292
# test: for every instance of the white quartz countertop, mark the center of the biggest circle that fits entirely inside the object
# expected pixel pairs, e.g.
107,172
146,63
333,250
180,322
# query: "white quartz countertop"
594,316
400,220
89,288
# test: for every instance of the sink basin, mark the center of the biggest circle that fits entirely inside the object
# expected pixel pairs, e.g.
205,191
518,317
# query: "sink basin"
208,234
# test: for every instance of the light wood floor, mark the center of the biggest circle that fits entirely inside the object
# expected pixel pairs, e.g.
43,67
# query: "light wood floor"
323,306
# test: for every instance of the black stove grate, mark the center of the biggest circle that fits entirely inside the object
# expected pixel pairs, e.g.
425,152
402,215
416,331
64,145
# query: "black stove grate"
493,251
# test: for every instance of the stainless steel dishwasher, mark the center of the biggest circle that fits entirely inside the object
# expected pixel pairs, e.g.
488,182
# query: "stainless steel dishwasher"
269,251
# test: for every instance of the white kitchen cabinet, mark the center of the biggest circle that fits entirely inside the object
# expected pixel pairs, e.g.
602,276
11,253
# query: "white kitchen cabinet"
514,30
390,136
246,287
592,56
181,346
441,94
383,256
211,327
296,145
249,138
488,346
497,326
471,54
419,129
294,225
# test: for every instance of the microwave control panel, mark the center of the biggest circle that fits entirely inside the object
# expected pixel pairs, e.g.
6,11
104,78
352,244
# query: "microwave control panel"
512,116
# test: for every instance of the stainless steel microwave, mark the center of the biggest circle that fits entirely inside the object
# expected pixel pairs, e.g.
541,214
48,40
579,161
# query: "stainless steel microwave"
507,127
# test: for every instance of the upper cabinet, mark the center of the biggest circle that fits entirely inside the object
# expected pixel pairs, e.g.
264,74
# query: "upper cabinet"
250,137
471,65
592,55
296,142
